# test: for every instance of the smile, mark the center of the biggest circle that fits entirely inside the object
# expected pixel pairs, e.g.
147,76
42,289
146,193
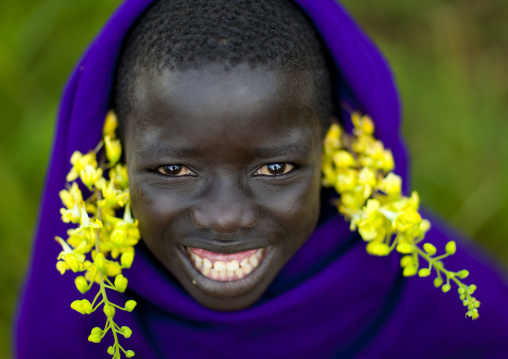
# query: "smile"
225,267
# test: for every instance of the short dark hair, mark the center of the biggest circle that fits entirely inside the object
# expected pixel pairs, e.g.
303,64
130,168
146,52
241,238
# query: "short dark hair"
189,34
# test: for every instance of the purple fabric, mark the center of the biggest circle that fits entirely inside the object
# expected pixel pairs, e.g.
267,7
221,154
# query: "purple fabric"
332,300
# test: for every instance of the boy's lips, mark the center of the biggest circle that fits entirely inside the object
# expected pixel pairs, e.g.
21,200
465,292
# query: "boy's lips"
225,267
224,286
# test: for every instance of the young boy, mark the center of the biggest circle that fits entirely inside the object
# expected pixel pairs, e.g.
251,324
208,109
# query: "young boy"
223,107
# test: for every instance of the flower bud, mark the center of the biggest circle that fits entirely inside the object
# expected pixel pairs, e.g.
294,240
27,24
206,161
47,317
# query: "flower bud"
405,248
89,175
438,281
97,330
100,262
378,249
113,149
409,271
127,258
110,124
81,284
121,283
61,266
471,289
94,338
130,305
111,350
451,247
126,331
463,274
73,262
82,306
129,353
424,272
391,184
406,261
429,248
109,310
446,288
343,159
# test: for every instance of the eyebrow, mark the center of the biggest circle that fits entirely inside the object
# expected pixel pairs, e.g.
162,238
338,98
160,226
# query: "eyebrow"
160,152
291,148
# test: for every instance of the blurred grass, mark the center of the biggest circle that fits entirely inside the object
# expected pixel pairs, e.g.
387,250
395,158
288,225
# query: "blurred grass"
450,60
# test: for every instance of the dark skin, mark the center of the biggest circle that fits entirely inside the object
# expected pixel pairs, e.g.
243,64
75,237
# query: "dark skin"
226,161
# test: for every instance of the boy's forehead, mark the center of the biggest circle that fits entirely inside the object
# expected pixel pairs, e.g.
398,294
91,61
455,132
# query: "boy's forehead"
211,88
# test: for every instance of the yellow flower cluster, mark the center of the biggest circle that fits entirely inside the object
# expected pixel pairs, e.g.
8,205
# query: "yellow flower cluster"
103,244
359,168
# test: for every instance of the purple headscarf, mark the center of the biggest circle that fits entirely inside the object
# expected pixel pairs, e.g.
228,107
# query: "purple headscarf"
331,300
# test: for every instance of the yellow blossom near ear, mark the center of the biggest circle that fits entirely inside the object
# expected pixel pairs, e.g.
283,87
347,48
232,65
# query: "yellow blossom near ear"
113,149
363,124
391,184
408,219
72,215
358,167
344,159
378,249
61,266
110,125
347,180
89,175
332,138
119,175
112,196
79,162
100,236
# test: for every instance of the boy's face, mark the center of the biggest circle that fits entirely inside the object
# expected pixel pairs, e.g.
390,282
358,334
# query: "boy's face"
224,171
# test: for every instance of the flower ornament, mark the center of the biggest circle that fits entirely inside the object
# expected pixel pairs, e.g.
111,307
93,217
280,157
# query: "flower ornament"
103,244
359,168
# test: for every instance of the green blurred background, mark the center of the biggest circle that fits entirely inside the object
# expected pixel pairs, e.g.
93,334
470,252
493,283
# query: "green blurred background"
450,59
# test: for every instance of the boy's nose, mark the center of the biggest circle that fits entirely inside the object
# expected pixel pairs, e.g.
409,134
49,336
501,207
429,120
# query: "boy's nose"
225,211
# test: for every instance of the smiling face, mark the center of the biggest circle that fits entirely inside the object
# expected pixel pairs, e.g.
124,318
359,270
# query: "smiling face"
224,170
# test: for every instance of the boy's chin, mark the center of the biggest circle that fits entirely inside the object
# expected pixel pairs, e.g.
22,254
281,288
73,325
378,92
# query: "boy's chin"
233,289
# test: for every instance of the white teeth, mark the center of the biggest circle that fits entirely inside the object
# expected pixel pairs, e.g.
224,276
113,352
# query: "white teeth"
247,268
207,263
233,265
230,274
254,261
219,265
214,273
227,271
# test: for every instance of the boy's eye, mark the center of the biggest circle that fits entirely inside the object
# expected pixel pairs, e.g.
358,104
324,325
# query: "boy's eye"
274,169
175,170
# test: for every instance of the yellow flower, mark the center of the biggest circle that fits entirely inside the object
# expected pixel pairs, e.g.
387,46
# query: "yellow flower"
346,180
363,124
110,125
391,184
113,149
344,159
112,196
408,219
378,249
89,175
119,175
332,139
79,162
